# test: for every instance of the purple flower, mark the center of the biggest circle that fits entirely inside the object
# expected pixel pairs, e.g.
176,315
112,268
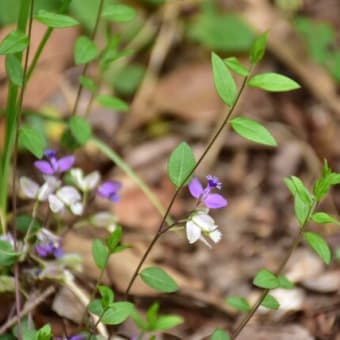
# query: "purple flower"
204,195
109,189
74,337
54,165
49,249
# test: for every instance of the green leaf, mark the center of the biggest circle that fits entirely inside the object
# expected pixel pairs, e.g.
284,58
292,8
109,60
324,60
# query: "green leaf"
88,83
44,333
107,295
158,279
221,32
238,302
14,70
112,103
258,48
252,130
113,240
224,82
55,20
85,50
319,245
119,13
165,322
117,313
80,128
270,302
32,140
180,164
99,253
137,318
7,283
273,82
220,334
152,315
7,254
234,64
95,307
14,42
284,283
23,221
127,80
266,279
324,183
322,217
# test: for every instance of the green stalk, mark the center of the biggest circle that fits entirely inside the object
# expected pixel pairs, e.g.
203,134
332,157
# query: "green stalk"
11,119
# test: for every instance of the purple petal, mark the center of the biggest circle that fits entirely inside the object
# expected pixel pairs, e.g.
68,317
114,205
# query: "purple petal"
43,250
58,252
77,337
49,153
109,189
65,163
215,201
44,167
195,187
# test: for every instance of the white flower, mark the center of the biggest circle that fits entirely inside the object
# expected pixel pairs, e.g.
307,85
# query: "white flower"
85,183
104,220
66,196
32,189
201,224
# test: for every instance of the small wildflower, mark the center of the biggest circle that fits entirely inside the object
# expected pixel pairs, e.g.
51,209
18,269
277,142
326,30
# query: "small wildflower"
66,196
201,224
48,244
54,165
204,195
109,190
32,189
74,337
85,183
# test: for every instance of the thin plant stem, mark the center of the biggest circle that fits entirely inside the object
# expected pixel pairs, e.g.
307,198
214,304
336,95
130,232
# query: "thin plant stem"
15,156
181,186
278,272
85,67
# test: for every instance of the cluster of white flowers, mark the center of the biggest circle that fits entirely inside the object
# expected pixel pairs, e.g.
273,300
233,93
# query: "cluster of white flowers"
61,197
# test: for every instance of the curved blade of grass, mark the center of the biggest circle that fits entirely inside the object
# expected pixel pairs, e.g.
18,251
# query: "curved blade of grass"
108,152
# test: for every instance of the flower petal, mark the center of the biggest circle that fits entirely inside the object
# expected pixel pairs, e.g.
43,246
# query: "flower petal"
215,201
56,205
91,180
29,187
44,167
204,221
77,208
78,177
193,232
108,189
215,235
65,163
69,195
195,187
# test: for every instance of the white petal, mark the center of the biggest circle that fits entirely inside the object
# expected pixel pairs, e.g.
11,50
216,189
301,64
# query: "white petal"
103,219
215,235
29,187
77,208
204,221
78,177
91,180
56,205
193,232
69,195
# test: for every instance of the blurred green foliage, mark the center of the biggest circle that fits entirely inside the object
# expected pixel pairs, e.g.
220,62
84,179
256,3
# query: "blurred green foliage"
320,40
220,31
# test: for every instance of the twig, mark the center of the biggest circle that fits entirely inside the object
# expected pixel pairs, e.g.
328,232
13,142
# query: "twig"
49,291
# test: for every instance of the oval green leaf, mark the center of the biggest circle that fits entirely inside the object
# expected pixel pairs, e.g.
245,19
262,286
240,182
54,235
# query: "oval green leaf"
319,245
32,140
55,20
85,50
234,64
266,279
322,218
14,69
220,334
258,48
117,313
112,103
158,279
180,164
252,130
224,82
14,42
99,253
119,13
239,303
80,128
273,82
270,302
